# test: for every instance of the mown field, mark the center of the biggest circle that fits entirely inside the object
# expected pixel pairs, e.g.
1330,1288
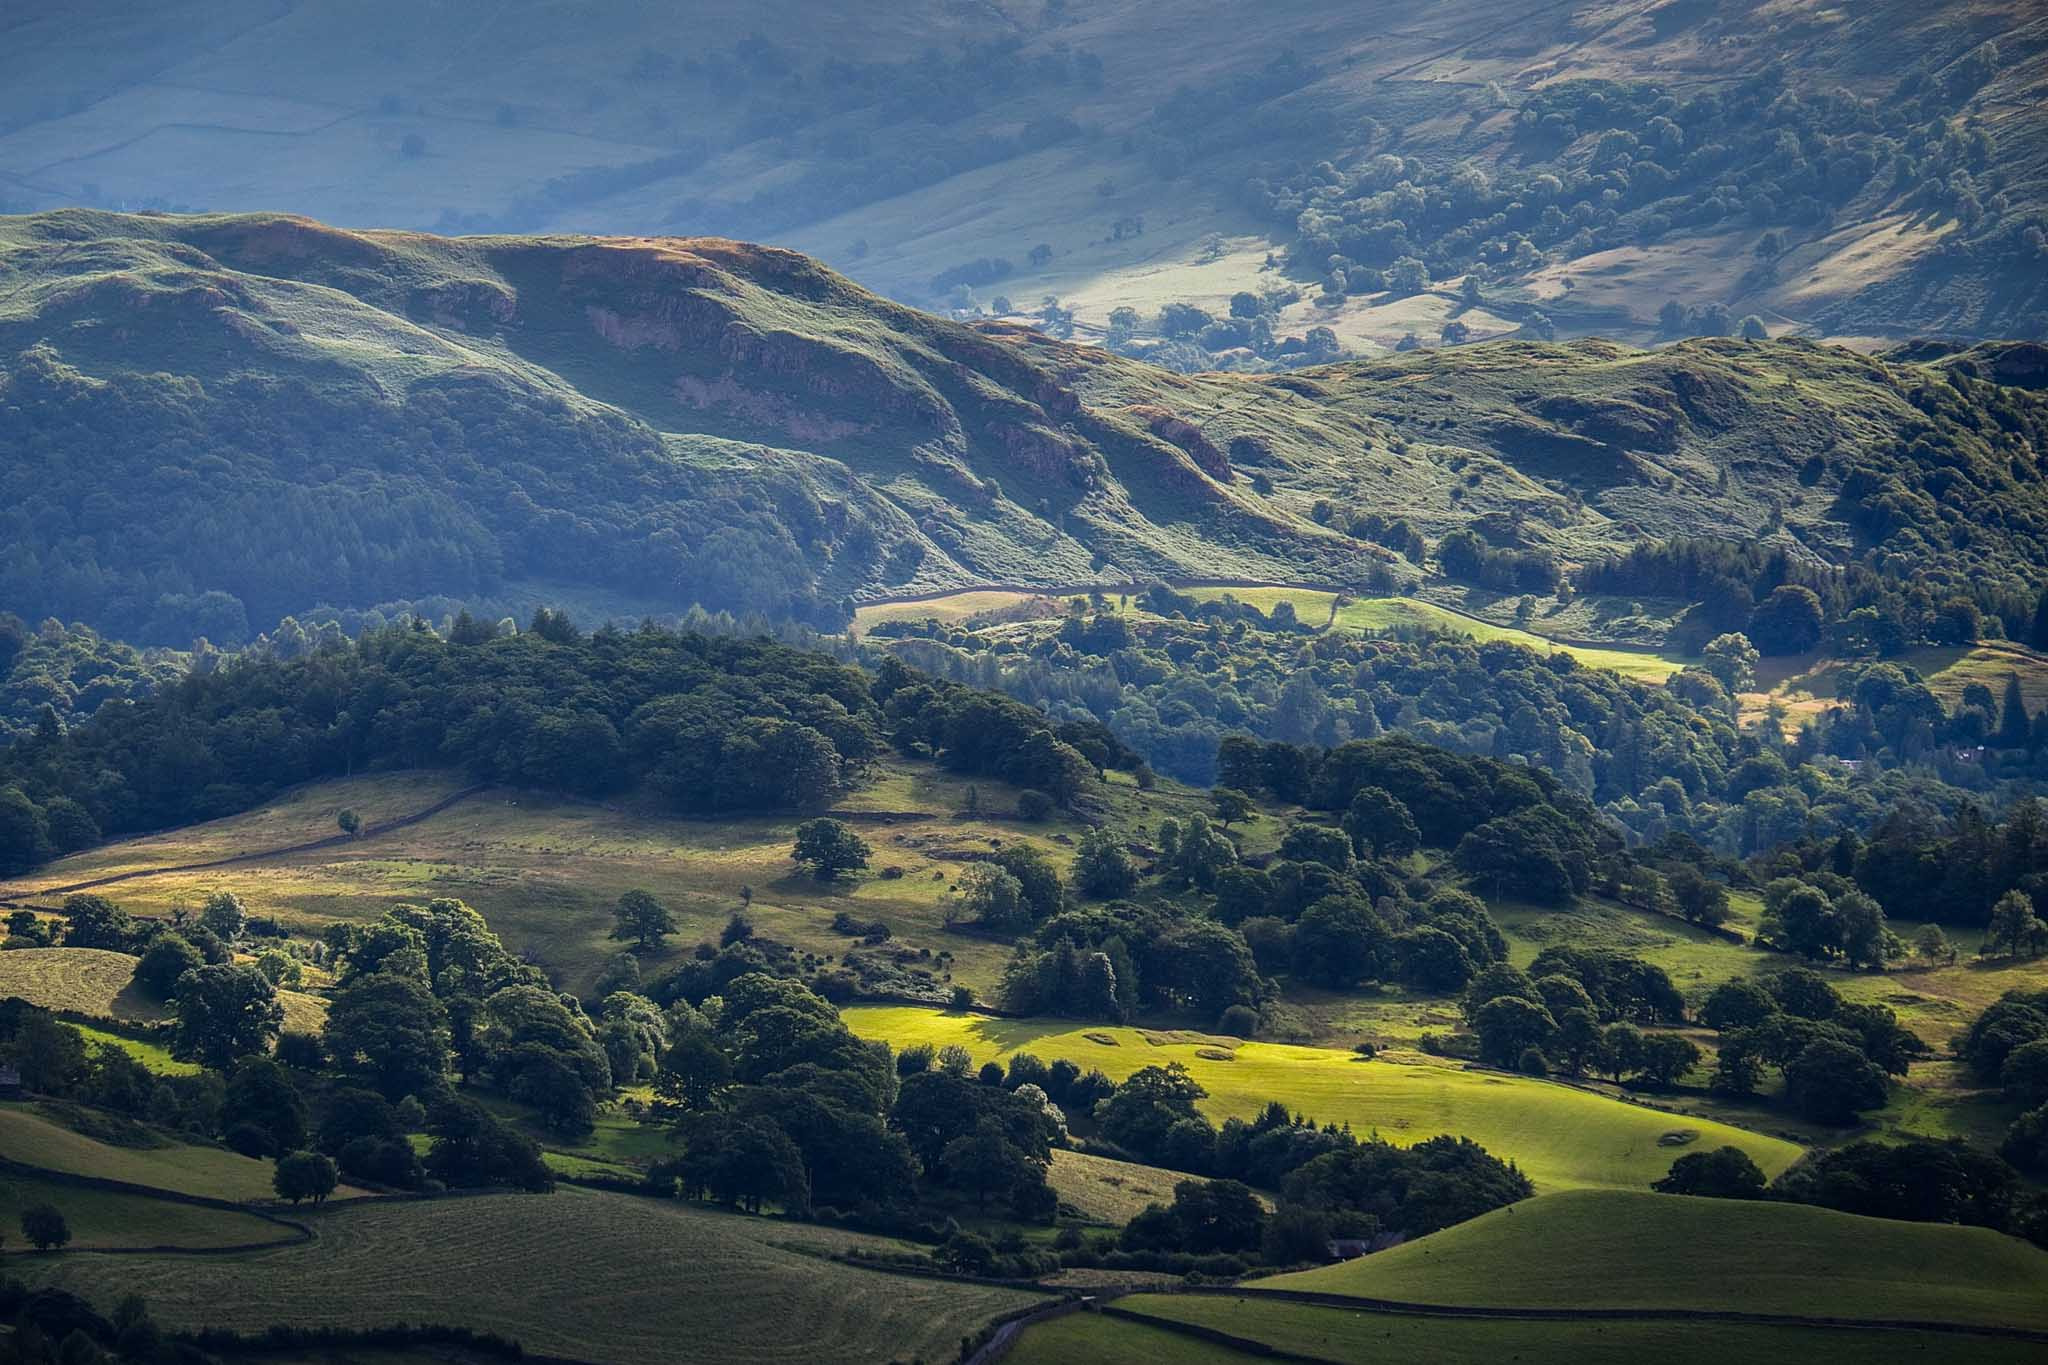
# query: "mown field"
595,1276
94,981
1615,1249
1337,1335
101,1219
1561,1137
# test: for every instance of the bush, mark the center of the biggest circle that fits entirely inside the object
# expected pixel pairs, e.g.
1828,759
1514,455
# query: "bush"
1532,1062
1239,1021
1034,806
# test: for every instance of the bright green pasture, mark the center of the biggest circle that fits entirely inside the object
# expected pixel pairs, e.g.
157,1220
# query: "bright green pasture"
1563,1138
1616,1249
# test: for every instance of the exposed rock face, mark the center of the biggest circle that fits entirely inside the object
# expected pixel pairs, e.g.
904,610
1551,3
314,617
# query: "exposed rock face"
1171,427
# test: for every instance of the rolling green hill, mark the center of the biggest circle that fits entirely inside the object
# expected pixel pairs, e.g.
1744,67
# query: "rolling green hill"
1334,1334
599,1277
277,414
1614,1249
1154,155
1562,1138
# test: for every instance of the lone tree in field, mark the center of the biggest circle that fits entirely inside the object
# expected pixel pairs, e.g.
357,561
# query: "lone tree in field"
643,919
304,1175
2015,930
1725,1173
349,822
225,1012
44,1227
829,847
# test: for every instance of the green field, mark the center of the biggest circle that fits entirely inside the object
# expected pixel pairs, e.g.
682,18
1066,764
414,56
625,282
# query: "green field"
1611,1249
1561,1137
598,1277
213,1172
100,1219
1313,606
1335,1335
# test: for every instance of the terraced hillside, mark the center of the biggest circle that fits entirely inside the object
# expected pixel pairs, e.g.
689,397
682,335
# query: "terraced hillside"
278,414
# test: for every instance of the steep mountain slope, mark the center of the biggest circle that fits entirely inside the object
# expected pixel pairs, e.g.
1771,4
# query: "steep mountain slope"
288,414
1156,152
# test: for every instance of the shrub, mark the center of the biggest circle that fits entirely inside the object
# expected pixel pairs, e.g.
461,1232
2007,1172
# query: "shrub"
1239,1021
1034,806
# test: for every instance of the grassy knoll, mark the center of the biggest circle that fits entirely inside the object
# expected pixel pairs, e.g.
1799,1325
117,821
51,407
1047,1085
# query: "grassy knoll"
1562,1137
1336,1335
546,872
32,1137
104,1218
1947,671
596,1276
1613,1249
1110,1191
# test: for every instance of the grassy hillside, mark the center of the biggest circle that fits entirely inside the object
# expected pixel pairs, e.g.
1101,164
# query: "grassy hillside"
546,872
102,1219
1332,1334
1561,1137
211,1172
944,134
594,1276
633,425
1610,1249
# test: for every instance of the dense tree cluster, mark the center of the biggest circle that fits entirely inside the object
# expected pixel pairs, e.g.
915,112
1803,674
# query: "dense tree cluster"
1836,1057
704,725
1601,165
1660,760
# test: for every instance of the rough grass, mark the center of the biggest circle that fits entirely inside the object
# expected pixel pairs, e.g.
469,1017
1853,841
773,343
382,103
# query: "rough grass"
1613,1249
1947,671
1563,1138
596,1276
1106,1191
1336,1335
104,1218
546,872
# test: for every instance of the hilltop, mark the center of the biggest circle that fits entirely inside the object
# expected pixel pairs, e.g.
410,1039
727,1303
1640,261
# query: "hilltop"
279,415
1153,156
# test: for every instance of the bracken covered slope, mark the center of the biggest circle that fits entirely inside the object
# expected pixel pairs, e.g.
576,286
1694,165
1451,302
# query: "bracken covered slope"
291,414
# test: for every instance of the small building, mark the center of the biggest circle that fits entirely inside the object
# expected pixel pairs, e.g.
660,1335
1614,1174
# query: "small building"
10,1083
1346,1248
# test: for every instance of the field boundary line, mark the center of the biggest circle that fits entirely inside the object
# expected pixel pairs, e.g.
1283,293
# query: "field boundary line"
299,1232
1404,1308
309,846
1248,1345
